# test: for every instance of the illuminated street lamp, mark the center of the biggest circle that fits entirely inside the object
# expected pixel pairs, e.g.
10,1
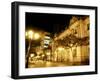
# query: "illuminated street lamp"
26,34
32,55
36,36
30,35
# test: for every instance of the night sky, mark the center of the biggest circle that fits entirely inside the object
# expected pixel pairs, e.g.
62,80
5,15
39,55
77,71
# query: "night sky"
48,22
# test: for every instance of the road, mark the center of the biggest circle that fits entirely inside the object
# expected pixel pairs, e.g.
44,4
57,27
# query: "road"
41,63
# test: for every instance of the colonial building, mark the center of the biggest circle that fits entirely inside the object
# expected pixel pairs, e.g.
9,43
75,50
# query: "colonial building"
72,45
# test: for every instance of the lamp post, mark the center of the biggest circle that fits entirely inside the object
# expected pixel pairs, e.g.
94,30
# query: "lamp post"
30,35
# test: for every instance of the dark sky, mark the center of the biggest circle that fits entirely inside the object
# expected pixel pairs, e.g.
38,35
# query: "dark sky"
47,22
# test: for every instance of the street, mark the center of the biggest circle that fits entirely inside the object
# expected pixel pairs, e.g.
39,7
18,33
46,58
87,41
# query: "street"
41,63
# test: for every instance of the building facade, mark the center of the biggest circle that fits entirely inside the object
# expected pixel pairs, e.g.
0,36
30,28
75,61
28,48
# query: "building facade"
73,52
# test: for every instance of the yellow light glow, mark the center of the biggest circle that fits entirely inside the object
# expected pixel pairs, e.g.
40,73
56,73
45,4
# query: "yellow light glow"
43,55
30,34
48,53
36,36
38,52
26,34
60,48
32,55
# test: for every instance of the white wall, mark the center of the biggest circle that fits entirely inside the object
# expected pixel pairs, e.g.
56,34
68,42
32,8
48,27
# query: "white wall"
5,40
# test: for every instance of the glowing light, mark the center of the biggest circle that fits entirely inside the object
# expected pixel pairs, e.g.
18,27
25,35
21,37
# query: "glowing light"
26,34
71,45
47,37
60,48
45,46
30,34
48,53
38,52
32,55
43,55
36,36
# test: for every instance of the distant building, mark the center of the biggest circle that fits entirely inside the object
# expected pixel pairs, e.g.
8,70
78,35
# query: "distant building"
46,46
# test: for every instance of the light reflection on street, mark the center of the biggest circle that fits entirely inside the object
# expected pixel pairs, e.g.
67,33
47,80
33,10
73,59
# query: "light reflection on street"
41,63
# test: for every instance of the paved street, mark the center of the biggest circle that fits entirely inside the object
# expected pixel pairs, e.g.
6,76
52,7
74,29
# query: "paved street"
41,63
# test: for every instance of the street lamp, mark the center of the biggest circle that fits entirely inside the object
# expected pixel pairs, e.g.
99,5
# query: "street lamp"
30,35
26,34
32,55
36,36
